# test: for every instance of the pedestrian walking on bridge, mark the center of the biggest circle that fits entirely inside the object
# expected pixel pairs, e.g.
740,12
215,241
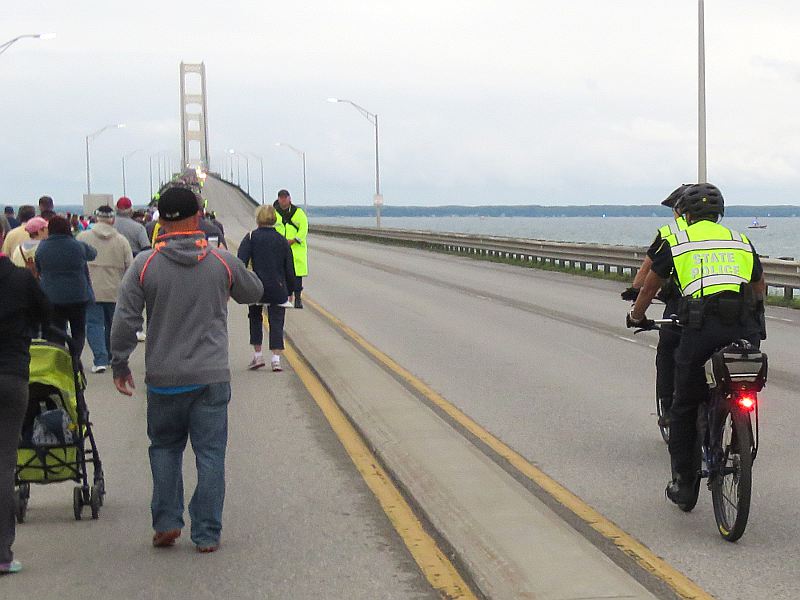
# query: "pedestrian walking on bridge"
23,309
270,256
184,284
114,256
61,262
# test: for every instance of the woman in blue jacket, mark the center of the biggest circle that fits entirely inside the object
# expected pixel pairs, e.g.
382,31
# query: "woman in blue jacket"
270,256
61,262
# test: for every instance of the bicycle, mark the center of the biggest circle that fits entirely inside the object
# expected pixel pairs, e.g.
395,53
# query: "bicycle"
728,431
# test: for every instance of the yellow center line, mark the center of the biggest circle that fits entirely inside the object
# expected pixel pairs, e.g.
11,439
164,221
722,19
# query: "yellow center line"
433,563
644,557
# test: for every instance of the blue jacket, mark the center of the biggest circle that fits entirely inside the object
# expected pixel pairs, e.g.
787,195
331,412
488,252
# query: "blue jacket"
63,272
271,258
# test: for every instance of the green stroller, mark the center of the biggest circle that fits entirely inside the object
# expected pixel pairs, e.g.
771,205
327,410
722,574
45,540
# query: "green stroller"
52,446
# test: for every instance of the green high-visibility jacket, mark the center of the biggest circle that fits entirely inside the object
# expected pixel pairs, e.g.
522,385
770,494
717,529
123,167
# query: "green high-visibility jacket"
673,227
294,227
710,258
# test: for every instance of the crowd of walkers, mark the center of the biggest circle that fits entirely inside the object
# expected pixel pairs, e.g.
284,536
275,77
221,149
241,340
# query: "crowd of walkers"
96,277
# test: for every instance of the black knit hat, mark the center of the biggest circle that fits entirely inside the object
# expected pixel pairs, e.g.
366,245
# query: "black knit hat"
177,203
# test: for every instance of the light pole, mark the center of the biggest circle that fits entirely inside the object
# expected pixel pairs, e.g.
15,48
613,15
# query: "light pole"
41,36
372,118
124,158
90,137
302,156
702,169
261,160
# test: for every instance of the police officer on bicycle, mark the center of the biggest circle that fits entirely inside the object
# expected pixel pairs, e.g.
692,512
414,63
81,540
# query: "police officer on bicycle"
668,335
721,282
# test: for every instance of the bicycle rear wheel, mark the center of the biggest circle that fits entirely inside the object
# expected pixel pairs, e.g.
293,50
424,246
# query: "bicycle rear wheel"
732,481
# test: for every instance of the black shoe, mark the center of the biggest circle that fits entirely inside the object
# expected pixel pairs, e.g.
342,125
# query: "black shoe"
298,303
683,492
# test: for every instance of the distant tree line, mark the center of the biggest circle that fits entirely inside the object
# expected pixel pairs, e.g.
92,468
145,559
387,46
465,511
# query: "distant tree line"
533,210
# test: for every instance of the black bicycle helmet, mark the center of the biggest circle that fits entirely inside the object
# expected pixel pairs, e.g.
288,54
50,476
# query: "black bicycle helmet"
673,200
702,201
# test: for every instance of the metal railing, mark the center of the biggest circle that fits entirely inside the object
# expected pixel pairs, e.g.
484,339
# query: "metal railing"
783,274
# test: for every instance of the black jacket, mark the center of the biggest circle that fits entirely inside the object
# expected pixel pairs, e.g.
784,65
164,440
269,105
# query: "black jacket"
23,307
271,258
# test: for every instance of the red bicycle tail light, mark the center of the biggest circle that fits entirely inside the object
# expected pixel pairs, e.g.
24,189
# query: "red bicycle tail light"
746,402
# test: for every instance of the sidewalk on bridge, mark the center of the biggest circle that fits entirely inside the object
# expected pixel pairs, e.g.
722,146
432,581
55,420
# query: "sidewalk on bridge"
512,544
299,521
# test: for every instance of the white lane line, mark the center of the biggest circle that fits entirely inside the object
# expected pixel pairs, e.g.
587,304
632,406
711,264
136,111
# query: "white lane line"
779,319
653,347
626,339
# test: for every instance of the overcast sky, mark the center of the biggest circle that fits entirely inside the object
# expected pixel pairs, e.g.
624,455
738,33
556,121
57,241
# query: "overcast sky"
530,102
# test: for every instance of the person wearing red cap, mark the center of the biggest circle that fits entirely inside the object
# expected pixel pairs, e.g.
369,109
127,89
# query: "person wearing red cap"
131,230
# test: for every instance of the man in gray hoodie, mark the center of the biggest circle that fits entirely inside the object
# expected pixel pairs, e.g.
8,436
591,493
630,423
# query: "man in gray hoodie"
184,284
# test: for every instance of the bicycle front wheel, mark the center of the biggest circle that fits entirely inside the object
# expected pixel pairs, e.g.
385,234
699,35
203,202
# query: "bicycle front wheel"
732,479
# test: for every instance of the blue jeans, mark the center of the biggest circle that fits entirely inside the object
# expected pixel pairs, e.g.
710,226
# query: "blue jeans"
99,316
201,416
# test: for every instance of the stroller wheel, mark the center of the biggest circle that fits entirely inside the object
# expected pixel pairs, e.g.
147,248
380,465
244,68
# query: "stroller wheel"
77,502
100,486
95,502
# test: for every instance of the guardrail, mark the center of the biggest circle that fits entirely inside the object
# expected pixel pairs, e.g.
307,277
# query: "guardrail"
783,274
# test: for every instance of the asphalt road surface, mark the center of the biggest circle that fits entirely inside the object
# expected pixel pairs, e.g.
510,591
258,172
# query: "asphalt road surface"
543,361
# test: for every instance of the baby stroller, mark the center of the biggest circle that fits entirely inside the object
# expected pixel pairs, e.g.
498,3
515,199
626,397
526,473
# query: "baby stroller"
52,446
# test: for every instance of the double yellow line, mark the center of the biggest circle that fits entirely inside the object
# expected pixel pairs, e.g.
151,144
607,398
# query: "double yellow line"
433,563
641,554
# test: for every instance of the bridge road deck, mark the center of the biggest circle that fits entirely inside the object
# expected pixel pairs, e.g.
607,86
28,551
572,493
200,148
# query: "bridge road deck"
299,521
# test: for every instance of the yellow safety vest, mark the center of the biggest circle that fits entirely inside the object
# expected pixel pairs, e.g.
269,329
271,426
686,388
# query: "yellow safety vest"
710,259
673,227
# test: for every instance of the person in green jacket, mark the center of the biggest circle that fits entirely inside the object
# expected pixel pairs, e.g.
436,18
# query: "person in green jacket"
292,224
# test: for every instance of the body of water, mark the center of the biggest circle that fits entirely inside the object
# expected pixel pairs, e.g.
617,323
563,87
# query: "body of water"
780,238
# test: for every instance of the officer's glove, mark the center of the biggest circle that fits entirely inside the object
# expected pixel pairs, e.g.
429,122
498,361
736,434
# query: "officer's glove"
641,324
630,294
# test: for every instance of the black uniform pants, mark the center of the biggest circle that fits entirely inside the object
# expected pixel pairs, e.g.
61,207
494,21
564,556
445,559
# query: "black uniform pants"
695,348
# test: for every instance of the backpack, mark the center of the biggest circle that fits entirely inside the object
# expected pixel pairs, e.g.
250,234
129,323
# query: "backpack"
30,263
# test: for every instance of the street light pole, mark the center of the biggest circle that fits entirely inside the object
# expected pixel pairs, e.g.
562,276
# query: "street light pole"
302,156
702,169
150,161
372,118
42,36
90,137
260,160
124,157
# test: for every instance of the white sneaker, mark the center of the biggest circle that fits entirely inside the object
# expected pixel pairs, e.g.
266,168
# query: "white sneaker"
141,336
276,364
99,368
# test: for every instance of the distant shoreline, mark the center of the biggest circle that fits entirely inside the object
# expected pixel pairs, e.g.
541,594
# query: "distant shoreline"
532,210
597,210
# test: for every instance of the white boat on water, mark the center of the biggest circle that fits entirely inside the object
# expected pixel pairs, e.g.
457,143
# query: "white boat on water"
756,225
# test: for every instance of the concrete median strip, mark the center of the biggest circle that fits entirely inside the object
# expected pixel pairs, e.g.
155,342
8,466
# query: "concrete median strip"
511,544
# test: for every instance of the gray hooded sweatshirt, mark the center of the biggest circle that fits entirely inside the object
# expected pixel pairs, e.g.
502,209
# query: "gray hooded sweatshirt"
184,285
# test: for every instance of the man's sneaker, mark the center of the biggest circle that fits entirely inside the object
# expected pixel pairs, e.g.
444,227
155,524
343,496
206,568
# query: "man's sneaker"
141,336
10,567
298,303
256,363
165,539
99,368
276,364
